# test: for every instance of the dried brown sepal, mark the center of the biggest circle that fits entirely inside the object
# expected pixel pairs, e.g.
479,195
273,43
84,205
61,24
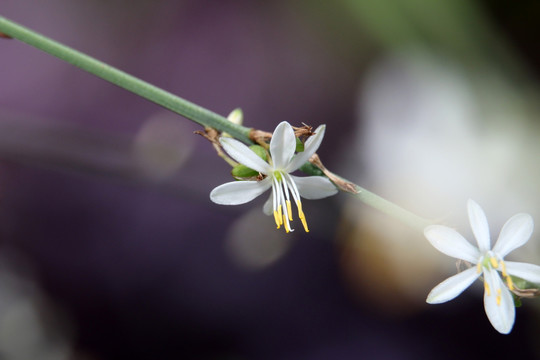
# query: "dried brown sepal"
5,36
526,293
260,137
259,177
212,135
339,182
263,137
252,178
303,132
209,134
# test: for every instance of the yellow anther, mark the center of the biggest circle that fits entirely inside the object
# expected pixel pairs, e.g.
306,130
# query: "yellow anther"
302,216
494,262
478,268
277,219
509,282
486,287
280,215
289,209
285,224
303,220
300,212
503,266
498,298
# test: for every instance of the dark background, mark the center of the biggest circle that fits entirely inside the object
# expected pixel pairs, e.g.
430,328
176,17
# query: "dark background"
132,266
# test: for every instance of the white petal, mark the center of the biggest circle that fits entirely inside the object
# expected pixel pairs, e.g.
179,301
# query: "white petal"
268,207
244,155
451,243
452,287
311,145
500,315
239,192
282,145
515,232
479,225
529,272
314,187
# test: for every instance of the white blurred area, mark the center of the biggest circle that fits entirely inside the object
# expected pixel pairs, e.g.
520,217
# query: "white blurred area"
162,145
30,326
432,136
253,242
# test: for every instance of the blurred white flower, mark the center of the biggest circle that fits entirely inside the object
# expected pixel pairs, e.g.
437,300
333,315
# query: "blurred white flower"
162,146
498,300
283,161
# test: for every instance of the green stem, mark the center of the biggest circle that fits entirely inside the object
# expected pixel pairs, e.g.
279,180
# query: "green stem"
148,91
371,199
389,208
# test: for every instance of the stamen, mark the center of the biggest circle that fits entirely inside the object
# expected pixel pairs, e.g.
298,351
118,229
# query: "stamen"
486,287
479,268
276,191
292,187
300,212
498,298
302,216
286,224
303,220
509,282
494,262
277,219
289,209
503,266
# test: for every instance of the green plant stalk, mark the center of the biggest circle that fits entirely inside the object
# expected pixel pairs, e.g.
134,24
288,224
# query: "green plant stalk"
180,106
148,91
375,201
412,220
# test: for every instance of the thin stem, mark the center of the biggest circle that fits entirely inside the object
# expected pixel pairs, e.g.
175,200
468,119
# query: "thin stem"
389,208
148,91
315,167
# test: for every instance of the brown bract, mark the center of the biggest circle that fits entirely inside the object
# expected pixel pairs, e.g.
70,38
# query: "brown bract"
338,181
213,136
263,137
525,293
260,137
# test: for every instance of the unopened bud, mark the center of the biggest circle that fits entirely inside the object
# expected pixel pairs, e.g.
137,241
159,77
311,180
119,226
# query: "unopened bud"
236,117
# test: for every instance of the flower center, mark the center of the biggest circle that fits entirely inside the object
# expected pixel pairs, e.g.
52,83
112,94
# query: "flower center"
490,261
283,187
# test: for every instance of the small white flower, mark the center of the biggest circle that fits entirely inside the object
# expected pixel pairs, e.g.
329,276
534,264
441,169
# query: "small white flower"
498,300
282,162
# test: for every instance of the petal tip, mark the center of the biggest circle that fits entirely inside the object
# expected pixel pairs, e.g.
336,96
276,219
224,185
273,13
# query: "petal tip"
434,232
282,124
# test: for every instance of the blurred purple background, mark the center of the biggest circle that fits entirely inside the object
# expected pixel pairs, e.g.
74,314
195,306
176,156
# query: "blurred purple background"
130,266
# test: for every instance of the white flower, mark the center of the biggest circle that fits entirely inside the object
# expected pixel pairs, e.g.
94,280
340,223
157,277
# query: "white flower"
498,300
282,162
